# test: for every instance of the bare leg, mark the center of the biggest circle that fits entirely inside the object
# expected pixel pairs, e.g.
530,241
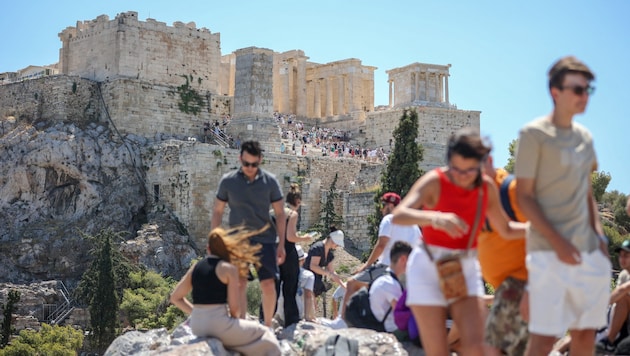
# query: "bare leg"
541,345
619,316
268,291
467,316
429,319
582,342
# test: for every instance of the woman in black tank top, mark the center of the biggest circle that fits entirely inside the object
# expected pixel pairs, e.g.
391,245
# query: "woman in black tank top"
214,283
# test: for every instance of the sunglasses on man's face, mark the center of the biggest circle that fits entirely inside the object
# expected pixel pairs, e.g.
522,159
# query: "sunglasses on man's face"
250,164
580,90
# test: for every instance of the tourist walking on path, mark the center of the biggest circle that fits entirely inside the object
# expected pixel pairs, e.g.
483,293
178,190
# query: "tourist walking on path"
250,191
214,283
450,204
567,258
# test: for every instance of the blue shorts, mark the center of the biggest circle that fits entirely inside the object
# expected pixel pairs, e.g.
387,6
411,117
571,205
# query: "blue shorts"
268,261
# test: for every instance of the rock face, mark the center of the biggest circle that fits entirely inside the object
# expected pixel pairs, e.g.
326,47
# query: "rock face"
55,183
303,338
61,181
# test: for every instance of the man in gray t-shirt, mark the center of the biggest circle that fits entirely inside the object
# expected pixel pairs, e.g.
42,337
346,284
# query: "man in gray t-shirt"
567,262
250,191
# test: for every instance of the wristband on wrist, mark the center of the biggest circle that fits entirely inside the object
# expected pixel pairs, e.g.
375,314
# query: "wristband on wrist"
604,238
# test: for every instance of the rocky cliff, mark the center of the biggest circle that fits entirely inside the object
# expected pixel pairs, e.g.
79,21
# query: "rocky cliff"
61,181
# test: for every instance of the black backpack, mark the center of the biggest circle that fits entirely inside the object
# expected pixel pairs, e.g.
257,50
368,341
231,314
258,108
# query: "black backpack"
359,313
337,345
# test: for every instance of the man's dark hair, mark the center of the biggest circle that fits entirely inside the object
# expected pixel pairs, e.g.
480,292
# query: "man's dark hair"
565,65
400,248
251,147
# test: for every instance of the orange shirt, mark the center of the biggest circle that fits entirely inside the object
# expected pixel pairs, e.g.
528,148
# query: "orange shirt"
500,258
463,202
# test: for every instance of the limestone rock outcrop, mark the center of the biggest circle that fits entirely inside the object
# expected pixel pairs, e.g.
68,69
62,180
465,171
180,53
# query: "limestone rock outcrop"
58,182
303,338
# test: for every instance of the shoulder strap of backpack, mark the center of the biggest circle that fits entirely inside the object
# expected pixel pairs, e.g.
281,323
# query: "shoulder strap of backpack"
391,273
505,196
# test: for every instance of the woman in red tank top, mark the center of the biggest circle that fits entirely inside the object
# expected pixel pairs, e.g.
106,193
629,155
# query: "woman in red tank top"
444,203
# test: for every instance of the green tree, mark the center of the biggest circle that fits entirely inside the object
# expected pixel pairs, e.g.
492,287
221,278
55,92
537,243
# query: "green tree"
104,302
600,182
49,340
7,311
121,266
402,168
328,215
512,150
616,203
101,287
145,303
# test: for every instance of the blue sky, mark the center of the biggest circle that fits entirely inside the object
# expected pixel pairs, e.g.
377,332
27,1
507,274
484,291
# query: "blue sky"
500,51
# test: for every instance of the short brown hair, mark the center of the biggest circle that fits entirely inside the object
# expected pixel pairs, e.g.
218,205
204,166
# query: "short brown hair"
568,64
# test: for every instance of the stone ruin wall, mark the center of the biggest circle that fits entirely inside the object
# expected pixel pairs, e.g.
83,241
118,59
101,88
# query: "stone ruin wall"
53,99
253,88
435,125
149,51
147,109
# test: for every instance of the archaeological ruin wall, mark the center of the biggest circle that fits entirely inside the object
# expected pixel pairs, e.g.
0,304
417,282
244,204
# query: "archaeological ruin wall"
52,99
148,50
435,125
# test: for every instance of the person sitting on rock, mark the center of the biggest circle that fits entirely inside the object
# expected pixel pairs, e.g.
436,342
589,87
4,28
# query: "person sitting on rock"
387,289
214,282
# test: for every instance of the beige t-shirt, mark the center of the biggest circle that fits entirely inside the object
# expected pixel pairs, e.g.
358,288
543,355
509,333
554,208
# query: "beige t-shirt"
561,162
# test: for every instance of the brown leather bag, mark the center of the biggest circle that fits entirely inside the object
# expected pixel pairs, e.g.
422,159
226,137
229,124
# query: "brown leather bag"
451,275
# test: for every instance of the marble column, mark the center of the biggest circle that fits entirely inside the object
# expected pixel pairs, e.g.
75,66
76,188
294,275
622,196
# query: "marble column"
301,87
285,96
416,95
446,87
391,83
329,96
426,86
317,106
341,107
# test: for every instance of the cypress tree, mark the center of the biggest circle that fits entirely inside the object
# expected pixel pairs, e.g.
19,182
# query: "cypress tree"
402,168
104,302
328,215
7,311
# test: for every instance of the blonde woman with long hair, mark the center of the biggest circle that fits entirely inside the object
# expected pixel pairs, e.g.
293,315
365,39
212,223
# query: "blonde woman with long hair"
214,282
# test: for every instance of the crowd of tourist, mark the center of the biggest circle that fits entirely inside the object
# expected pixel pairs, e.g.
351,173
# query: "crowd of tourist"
458,226
322,141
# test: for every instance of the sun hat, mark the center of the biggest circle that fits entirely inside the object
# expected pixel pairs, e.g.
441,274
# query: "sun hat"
300,252
337,237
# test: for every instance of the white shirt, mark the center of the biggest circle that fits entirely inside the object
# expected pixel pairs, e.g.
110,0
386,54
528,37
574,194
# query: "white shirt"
384,290
408,233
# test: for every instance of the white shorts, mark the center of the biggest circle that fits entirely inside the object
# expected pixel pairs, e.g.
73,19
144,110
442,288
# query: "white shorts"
423,287
567,297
